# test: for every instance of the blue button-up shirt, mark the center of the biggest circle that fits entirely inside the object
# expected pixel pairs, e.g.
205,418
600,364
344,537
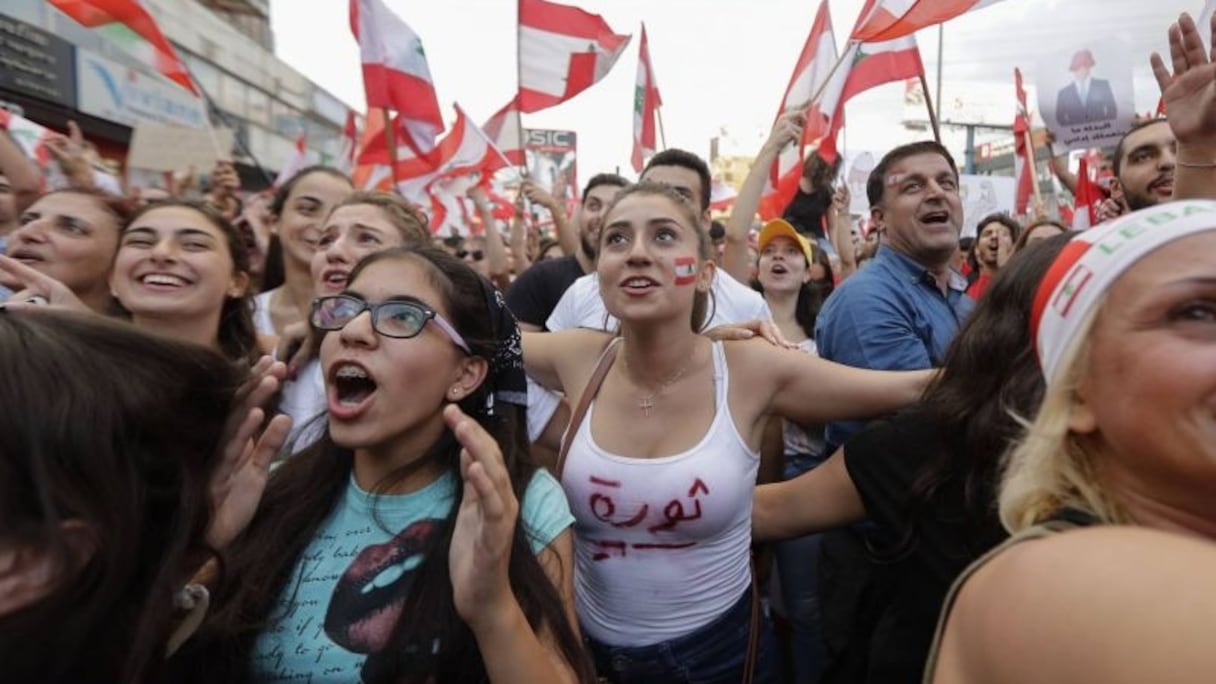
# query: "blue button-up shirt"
891,315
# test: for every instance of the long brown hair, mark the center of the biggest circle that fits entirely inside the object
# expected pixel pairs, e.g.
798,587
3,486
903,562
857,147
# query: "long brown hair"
991,377
304,491
117,432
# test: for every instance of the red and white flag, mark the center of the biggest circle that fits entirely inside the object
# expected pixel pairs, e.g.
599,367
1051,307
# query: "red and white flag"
127,23
32,138
809,78
297,161
1085,202
504,130
563,51
721,195
899,18
646,103
1023,158
350,144
369,174
464,151
452,212
395,72
865,66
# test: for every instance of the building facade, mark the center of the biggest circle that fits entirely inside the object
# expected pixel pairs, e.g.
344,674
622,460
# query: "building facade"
52,70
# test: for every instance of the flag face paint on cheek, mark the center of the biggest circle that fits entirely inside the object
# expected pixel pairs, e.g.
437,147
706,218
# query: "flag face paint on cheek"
686,270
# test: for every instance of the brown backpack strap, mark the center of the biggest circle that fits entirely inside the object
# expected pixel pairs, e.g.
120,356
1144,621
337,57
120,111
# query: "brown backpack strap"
584,402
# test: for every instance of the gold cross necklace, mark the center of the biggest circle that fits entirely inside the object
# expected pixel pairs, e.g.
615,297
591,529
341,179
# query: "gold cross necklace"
646,403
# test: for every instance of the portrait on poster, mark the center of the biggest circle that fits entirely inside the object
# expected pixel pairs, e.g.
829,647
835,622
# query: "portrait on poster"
1086,96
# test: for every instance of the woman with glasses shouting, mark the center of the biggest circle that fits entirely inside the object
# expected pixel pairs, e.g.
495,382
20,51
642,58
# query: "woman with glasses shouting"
416,541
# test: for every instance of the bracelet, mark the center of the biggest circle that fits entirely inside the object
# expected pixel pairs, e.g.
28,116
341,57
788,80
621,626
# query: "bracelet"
1194,165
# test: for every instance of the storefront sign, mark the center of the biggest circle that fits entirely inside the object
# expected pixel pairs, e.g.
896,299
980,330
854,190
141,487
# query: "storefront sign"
35,63
116,92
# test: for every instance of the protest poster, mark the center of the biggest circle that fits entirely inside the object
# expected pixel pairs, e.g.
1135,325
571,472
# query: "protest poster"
1086,96
161,147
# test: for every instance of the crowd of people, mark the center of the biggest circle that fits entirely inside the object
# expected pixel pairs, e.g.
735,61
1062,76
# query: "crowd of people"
294,436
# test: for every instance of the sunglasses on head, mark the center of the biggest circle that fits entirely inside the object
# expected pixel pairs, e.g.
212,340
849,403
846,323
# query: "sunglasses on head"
476,254
396,318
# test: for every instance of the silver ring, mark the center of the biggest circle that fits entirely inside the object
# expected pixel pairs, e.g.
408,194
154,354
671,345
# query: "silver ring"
38,299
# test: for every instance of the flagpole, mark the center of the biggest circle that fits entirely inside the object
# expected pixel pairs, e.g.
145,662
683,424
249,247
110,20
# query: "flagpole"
658,114
846,54
519,119
390,140
924,87
941,33
1028,140
208,107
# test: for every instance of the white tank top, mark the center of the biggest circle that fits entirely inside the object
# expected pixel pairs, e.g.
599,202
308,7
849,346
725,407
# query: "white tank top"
261,314
661,545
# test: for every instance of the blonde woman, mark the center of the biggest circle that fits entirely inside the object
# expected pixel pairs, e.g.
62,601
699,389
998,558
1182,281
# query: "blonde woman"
1114,480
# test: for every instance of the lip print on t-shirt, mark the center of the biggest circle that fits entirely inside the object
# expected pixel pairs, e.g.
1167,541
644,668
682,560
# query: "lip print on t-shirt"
368,599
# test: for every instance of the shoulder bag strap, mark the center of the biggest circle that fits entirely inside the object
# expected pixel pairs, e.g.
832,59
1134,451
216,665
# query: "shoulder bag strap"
584,402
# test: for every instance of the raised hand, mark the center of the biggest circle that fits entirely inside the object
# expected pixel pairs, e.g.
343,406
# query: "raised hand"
538,195
71,154
240,479
787,129
1189,92
485,524
841,199
34,288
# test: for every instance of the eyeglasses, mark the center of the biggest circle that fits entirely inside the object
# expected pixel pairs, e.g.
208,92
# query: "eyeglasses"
396,318
477,254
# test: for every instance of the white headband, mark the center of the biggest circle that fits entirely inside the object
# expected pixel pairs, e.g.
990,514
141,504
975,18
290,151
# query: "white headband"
1092,261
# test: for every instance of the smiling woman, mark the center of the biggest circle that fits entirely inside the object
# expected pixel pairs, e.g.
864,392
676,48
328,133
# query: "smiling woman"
182,271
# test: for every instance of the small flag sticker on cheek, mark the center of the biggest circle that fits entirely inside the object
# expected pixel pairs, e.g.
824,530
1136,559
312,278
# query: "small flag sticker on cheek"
686,270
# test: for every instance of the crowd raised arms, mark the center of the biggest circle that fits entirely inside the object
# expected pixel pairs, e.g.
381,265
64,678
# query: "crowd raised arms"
297,436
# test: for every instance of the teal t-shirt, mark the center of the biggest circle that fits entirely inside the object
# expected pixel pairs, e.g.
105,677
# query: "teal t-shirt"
348,589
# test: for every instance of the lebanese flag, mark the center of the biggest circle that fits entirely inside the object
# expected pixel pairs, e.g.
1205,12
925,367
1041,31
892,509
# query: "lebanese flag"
810,74
563,51
1023,158
452,212
899,18
297,161
646,103
1085,203
127,23
464,151
395,72
504,130
29,136
865,66
372,175
721,195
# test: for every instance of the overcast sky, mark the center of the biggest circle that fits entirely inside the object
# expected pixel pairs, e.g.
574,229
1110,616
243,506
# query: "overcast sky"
721,64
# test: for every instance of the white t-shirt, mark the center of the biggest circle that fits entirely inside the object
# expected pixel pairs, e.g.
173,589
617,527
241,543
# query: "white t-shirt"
582,306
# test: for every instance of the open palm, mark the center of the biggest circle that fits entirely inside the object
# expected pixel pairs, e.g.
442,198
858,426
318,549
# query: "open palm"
485,523
1189,93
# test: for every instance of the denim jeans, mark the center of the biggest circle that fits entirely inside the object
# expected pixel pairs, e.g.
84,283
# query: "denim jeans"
798,569
712,654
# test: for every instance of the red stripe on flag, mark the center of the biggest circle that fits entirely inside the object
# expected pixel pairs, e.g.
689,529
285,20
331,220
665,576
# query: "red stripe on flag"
569,21
385,84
